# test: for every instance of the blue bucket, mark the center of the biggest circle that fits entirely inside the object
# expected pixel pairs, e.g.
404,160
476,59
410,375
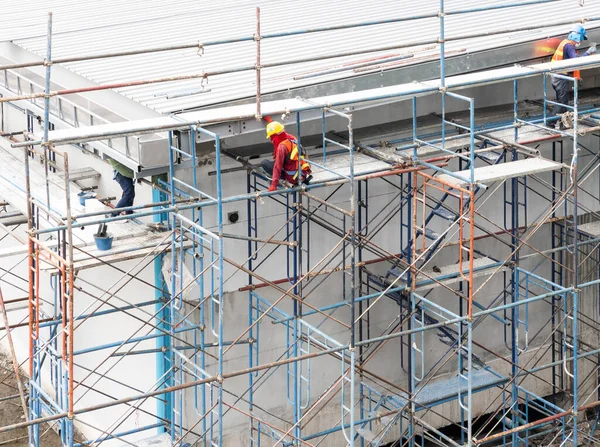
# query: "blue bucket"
83,196
104,243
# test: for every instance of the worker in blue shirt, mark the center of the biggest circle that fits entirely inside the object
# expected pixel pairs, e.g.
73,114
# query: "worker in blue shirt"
568,50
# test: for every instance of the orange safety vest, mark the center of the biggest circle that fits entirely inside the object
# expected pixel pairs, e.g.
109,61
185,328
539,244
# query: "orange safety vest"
292,154
559,56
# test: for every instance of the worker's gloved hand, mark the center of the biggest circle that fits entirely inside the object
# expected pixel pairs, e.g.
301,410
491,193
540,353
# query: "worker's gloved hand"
272,188
591,49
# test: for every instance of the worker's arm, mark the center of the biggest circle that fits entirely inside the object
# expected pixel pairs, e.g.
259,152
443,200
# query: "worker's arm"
591,50
571,51
280,154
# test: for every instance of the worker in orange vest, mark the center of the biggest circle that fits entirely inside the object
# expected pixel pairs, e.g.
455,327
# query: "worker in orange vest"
568,50
287,153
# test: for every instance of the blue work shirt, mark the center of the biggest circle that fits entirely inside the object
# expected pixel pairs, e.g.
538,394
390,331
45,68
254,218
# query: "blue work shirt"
570,52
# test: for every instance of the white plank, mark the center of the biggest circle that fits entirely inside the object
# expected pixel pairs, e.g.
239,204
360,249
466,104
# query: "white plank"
81,174
162,440
340,163
123,249
503,171
592,228
480,265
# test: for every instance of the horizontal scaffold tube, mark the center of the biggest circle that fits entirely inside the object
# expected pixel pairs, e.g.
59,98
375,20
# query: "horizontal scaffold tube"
265,366
285,106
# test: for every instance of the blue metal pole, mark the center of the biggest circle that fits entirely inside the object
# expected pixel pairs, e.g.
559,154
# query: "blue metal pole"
472,139
352,279
297,334
48,62
545,81
575,294
442,72
323,130
162,340
516,109
220,286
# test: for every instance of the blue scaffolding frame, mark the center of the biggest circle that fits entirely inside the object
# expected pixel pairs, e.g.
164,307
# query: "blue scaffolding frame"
368,411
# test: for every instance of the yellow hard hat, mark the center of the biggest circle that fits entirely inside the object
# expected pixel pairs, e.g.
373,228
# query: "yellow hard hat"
274,128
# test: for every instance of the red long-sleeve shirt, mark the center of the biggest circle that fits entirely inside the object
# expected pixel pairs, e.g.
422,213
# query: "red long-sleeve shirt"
282,161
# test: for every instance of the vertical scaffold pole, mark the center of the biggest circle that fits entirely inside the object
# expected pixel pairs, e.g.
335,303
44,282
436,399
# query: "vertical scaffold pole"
163,411
35,408
48,64
70,311
352,277
297,338
220,286
575,328
442,71
258,68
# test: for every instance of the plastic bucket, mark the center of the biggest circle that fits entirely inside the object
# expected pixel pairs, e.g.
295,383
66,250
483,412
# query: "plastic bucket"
85,195
104,243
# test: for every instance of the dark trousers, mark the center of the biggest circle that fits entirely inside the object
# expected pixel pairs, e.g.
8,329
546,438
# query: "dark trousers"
562,87
127,185
268,166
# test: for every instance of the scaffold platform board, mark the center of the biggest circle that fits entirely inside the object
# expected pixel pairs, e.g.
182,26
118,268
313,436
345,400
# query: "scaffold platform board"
443,390
438,392
504,171
123,249
82,174
9,216
591,228
481,266
11,219
340,164
528,135
131,239
162,440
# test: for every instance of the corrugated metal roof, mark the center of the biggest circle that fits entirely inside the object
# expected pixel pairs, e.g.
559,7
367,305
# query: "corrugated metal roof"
87,27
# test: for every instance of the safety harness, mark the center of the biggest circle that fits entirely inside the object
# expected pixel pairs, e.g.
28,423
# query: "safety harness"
294,153
559,55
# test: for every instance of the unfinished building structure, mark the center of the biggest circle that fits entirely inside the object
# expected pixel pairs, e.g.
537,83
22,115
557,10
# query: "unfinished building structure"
435,284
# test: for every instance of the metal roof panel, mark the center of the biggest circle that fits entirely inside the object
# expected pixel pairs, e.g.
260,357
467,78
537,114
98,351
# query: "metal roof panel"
91,27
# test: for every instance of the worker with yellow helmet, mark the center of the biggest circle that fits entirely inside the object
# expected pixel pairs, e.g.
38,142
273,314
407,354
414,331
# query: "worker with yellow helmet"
287,155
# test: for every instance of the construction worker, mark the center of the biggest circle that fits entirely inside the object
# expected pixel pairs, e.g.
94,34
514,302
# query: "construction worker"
286,153
125,178
568,50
